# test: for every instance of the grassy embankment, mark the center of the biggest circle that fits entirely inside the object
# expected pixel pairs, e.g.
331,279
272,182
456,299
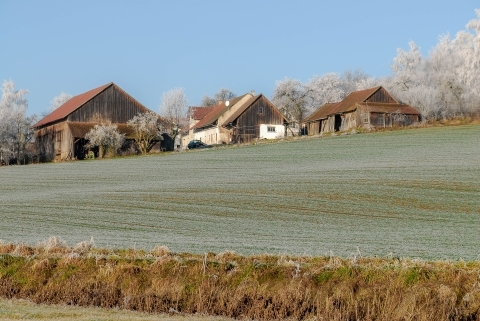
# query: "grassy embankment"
254,287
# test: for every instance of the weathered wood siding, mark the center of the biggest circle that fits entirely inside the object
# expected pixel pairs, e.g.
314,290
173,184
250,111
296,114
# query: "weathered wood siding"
349,121
248,123
54,142
314,128
381,96
113,105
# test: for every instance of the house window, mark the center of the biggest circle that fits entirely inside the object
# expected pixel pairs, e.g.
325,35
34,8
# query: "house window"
260,110
271,129
366,118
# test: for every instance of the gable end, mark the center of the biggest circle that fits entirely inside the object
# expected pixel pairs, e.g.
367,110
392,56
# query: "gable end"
381,96
111,105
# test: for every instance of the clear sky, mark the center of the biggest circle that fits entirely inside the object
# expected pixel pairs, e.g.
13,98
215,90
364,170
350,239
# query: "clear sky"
149,47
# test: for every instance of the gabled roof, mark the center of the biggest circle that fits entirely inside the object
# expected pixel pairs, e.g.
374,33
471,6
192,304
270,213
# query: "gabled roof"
70,106
198,113
355,97
322,112
215,112
245,106
359,98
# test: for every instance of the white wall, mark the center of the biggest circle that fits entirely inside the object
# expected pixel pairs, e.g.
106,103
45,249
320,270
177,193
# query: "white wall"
208,136
278,133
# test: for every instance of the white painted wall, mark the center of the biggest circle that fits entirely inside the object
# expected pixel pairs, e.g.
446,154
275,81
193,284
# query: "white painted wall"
265,134
208,136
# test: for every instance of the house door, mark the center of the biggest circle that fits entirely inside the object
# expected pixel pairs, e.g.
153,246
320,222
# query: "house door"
338,122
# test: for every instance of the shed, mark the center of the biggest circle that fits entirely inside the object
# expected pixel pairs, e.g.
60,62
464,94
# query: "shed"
373,107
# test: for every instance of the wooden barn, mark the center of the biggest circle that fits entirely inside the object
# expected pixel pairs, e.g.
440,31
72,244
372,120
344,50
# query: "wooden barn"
373,107
61,134
258,118
239,120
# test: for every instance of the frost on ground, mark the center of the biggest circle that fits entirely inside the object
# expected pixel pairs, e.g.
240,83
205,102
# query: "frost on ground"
410,193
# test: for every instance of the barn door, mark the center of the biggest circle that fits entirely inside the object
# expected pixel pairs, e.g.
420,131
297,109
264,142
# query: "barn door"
338,122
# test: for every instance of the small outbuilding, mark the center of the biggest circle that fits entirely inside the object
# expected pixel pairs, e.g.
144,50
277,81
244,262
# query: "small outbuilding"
373,107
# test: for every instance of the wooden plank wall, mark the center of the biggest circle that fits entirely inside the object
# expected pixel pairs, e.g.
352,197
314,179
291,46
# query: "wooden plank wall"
248,123
112,105
381,96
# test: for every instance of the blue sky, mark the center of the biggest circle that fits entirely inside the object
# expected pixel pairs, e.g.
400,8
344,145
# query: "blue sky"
149,47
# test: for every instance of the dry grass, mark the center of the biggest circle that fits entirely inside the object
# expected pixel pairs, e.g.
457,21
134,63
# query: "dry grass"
261,287
11,310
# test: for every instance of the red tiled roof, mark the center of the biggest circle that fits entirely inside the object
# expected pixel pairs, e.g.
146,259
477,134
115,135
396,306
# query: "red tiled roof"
198,113
355,97
71,105
322,112
215,113
359,98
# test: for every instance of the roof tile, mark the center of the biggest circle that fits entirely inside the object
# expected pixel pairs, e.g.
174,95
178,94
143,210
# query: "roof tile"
71,105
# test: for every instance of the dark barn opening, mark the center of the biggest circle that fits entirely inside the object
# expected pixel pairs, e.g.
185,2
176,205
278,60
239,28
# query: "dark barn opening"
338,122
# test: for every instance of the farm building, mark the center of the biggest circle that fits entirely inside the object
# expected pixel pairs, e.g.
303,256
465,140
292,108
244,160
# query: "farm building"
373,107
239,120
61,134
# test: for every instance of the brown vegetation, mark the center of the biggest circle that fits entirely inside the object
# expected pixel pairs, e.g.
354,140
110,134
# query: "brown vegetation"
263,287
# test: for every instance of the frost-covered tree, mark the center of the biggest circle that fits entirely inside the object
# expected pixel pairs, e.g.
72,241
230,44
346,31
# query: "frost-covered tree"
174,109
58,101
297,100
290,97
358,80
406,65
146,130
446,83
222,95
320,90
15,127
105,136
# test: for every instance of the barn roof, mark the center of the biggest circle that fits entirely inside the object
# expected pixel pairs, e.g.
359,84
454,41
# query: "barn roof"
355,97
215,112
322,112
245,106
359,98
71,105
78,101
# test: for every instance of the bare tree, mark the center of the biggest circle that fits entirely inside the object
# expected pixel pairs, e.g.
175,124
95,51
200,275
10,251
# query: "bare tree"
15,127
146,130
174,108
222,95
290,97
105,136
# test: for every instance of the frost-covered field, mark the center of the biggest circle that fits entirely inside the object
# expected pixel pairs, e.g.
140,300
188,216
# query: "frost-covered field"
409,193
